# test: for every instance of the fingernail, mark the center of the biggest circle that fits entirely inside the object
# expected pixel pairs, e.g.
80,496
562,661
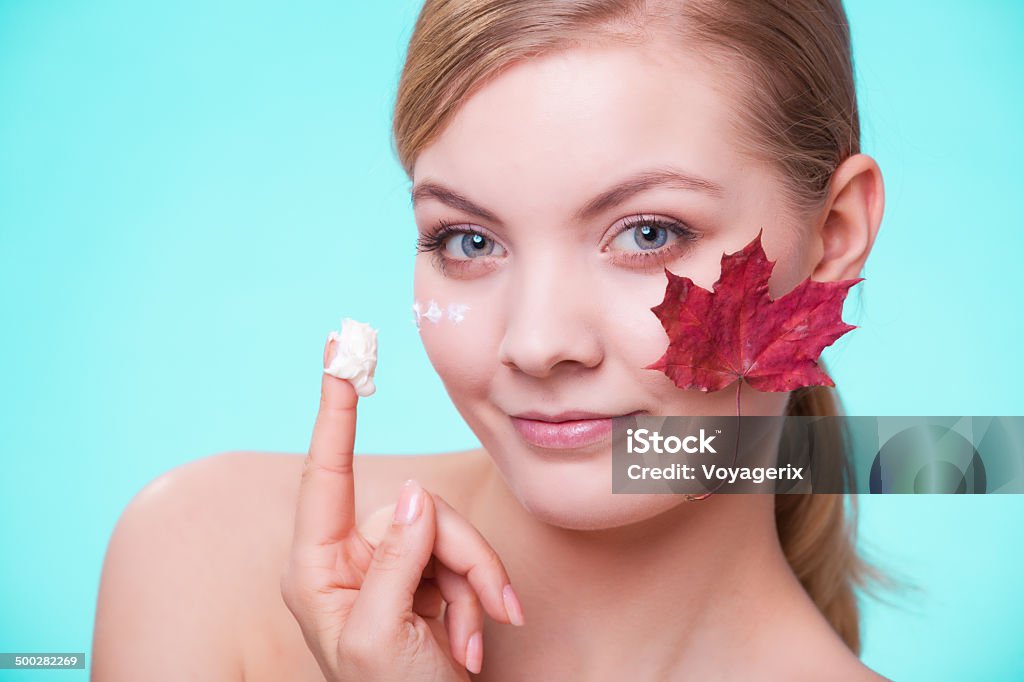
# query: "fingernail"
512,606
475,653
410,501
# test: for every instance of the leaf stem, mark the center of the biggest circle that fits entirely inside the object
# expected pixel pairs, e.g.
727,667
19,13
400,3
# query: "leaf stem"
735,454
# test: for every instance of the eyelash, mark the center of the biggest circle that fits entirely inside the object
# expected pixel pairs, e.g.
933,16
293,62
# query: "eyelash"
657,258
434,239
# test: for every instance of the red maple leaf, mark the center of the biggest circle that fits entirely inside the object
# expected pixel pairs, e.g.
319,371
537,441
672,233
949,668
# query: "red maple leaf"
737,331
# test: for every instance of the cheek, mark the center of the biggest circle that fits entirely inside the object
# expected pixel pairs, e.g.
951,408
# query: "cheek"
457,327
631,334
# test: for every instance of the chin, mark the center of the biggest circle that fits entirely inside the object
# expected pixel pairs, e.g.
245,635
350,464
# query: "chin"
577,495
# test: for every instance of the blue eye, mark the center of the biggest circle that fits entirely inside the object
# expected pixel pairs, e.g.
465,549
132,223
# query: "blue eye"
452,248
461,245
649,234
650,237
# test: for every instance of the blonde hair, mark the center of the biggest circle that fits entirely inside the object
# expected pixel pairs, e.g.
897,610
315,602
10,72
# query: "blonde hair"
786,64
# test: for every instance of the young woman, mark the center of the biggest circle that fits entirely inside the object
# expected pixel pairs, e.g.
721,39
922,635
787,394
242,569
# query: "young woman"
562,155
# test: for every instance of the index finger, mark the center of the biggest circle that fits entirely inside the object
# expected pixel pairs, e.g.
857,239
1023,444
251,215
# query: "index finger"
326,507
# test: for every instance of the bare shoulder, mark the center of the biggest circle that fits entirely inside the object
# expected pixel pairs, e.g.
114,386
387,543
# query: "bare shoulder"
165,558
852,670
812,657
793,640
195,560
808,658
862,673
848,668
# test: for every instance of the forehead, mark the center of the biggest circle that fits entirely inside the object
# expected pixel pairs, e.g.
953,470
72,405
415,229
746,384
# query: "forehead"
578,118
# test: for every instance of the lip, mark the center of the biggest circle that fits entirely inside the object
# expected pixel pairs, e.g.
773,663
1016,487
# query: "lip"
565,430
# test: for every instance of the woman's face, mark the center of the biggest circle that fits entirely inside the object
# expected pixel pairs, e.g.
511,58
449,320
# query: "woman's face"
554,274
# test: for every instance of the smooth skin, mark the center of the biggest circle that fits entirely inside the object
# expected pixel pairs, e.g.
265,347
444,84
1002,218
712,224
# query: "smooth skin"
220,568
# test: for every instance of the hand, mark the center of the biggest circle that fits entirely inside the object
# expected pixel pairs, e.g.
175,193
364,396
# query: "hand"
372,612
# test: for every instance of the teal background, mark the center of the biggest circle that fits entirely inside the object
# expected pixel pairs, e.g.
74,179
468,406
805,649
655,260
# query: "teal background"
193,193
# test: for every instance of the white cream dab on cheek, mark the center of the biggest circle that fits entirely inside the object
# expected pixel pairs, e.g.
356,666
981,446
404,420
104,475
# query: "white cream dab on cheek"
457,312
434,313
418,312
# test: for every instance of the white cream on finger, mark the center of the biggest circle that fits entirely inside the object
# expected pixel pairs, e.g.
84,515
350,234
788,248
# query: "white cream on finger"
355,355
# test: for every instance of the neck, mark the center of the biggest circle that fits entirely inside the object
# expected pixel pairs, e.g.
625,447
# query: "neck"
701,578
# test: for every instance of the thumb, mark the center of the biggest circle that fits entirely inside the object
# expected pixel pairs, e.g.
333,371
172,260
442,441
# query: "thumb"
386,595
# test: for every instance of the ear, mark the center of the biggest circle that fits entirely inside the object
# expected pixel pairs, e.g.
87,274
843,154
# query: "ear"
850,220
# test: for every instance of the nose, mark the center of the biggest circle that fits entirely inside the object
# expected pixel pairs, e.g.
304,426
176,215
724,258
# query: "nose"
553,319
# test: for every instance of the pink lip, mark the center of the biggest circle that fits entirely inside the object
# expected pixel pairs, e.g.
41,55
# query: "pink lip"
563,435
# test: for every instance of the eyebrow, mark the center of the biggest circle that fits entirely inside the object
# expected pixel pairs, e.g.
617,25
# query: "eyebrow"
634,184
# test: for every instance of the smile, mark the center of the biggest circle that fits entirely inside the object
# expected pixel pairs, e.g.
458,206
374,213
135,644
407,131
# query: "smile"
564,431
